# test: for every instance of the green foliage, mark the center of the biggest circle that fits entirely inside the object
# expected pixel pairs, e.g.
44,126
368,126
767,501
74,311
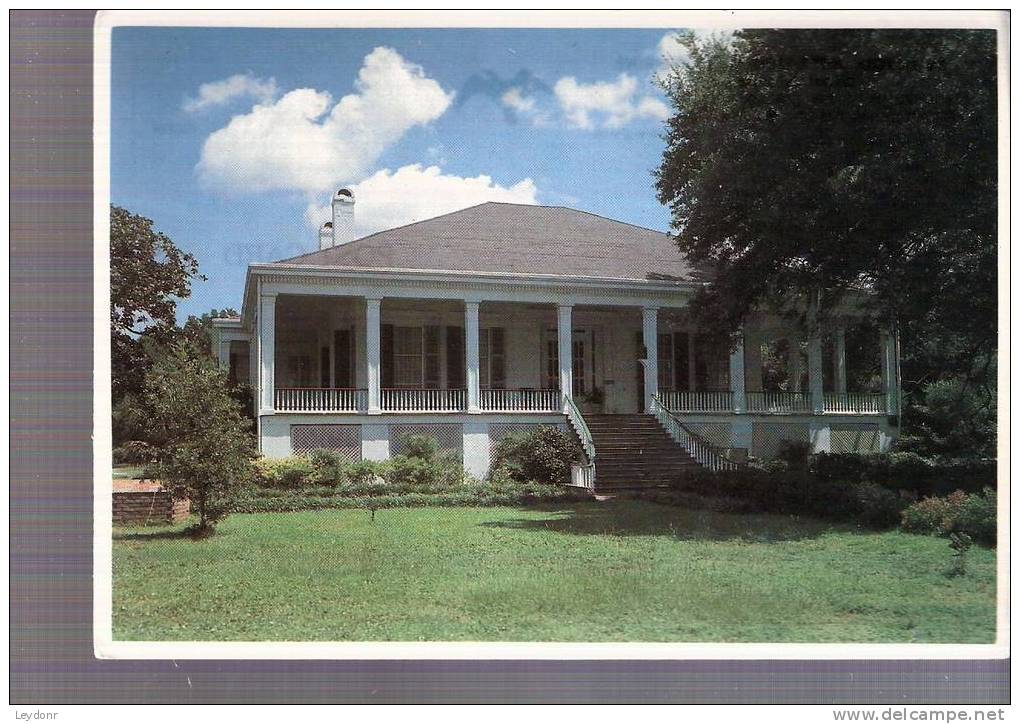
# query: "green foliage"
794,163
421,447
794,453
906,471
147,274
422,474
952,418
958,512
202,444
960,543
134,452
878,507
543,454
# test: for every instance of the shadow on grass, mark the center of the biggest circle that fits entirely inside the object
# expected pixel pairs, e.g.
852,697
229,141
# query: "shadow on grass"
152,534
634,518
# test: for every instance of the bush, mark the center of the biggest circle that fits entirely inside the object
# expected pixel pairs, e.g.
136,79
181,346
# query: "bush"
878,507
421,447
906,471
419,474
134,452
293,472
958,512
794,453
544,454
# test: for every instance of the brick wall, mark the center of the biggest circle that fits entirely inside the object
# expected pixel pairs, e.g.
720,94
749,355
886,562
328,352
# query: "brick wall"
142,508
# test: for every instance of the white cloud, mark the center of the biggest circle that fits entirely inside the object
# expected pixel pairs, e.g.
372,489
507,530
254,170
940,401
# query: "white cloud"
525,106
672,52
411,193
615,104
305,142
224,91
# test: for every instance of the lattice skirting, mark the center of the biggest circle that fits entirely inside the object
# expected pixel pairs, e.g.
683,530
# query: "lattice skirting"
766,437
862,438
448,435
719,434
343,439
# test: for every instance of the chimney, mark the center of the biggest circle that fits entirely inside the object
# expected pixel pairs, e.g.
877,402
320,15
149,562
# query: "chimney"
343,217
326,235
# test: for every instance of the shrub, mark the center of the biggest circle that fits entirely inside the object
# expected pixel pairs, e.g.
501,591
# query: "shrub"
134,452
958,512
419,474
292,472
328,468
878,507
420,447
794,453
543,455
202,444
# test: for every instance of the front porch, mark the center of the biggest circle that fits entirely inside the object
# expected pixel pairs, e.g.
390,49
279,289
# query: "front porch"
364,356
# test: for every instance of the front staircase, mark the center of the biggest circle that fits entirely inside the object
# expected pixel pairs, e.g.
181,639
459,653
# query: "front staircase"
634,452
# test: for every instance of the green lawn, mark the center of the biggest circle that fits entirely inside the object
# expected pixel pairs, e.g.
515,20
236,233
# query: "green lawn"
129,472
613,571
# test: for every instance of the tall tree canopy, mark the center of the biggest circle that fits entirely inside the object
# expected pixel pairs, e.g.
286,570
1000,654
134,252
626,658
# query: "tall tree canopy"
148,273
799,160
805,160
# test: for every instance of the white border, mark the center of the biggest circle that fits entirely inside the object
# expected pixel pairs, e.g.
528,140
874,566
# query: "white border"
107,648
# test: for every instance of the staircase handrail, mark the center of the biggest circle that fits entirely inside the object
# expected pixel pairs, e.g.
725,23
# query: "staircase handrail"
709,455
581,427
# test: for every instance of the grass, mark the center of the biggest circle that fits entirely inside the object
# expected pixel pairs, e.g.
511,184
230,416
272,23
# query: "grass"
613,571
128,472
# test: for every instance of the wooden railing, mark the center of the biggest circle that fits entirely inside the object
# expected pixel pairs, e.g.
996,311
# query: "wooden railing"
320,399
704,452
521,400
778,402
855,403
423,400
703,401
581,474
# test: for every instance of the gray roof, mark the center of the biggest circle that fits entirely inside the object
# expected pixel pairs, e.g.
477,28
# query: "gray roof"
515,238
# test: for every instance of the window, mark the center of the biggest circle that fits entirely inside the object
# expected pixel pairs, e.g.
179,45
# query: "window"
492,359
552,364
578,366
711,366
416,357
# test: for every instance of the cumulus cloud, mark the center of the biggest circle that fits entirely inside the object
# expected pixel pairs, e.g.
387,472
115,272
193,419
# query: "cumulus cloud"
303,141
221,92
524,106
672,52
411,193
609,105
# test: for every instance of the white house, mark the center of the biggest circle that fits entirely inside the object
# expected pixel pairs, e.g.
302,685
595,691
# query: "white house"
477,323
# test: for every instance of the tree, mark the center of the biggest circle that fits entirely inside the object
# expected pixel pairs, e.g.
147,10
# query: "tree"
197,331
806,161
147,274
202,444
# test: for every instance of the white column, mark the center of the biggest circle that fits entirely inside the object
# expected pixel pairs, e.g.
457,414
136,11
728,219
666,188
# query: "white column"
737,376
650,331
471,352
839,359
373,348
815,377
565,336
889,382
223,351
267,350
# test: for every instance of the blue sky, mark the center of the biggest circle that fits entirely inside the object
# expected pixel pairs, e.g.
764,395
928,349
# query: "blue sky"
232,140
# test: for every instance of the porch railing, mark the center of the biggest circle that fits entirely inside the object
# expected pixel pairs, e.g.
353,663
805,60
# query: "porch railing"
704,452
423,400
320,399
778,403
855,403
522,400
703,401
582,474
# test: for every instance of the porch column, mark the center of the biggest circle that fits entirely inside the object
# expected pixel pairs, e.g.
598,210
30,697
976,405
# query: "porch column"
373,306
565,335
737,376
839,359
815,371
267,350
471,350
889,382
650,328
223,351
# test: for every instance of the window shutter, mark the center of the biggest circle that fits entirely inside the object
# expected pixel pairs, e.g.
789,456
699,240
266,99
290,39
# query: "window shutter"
386,354
455,358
